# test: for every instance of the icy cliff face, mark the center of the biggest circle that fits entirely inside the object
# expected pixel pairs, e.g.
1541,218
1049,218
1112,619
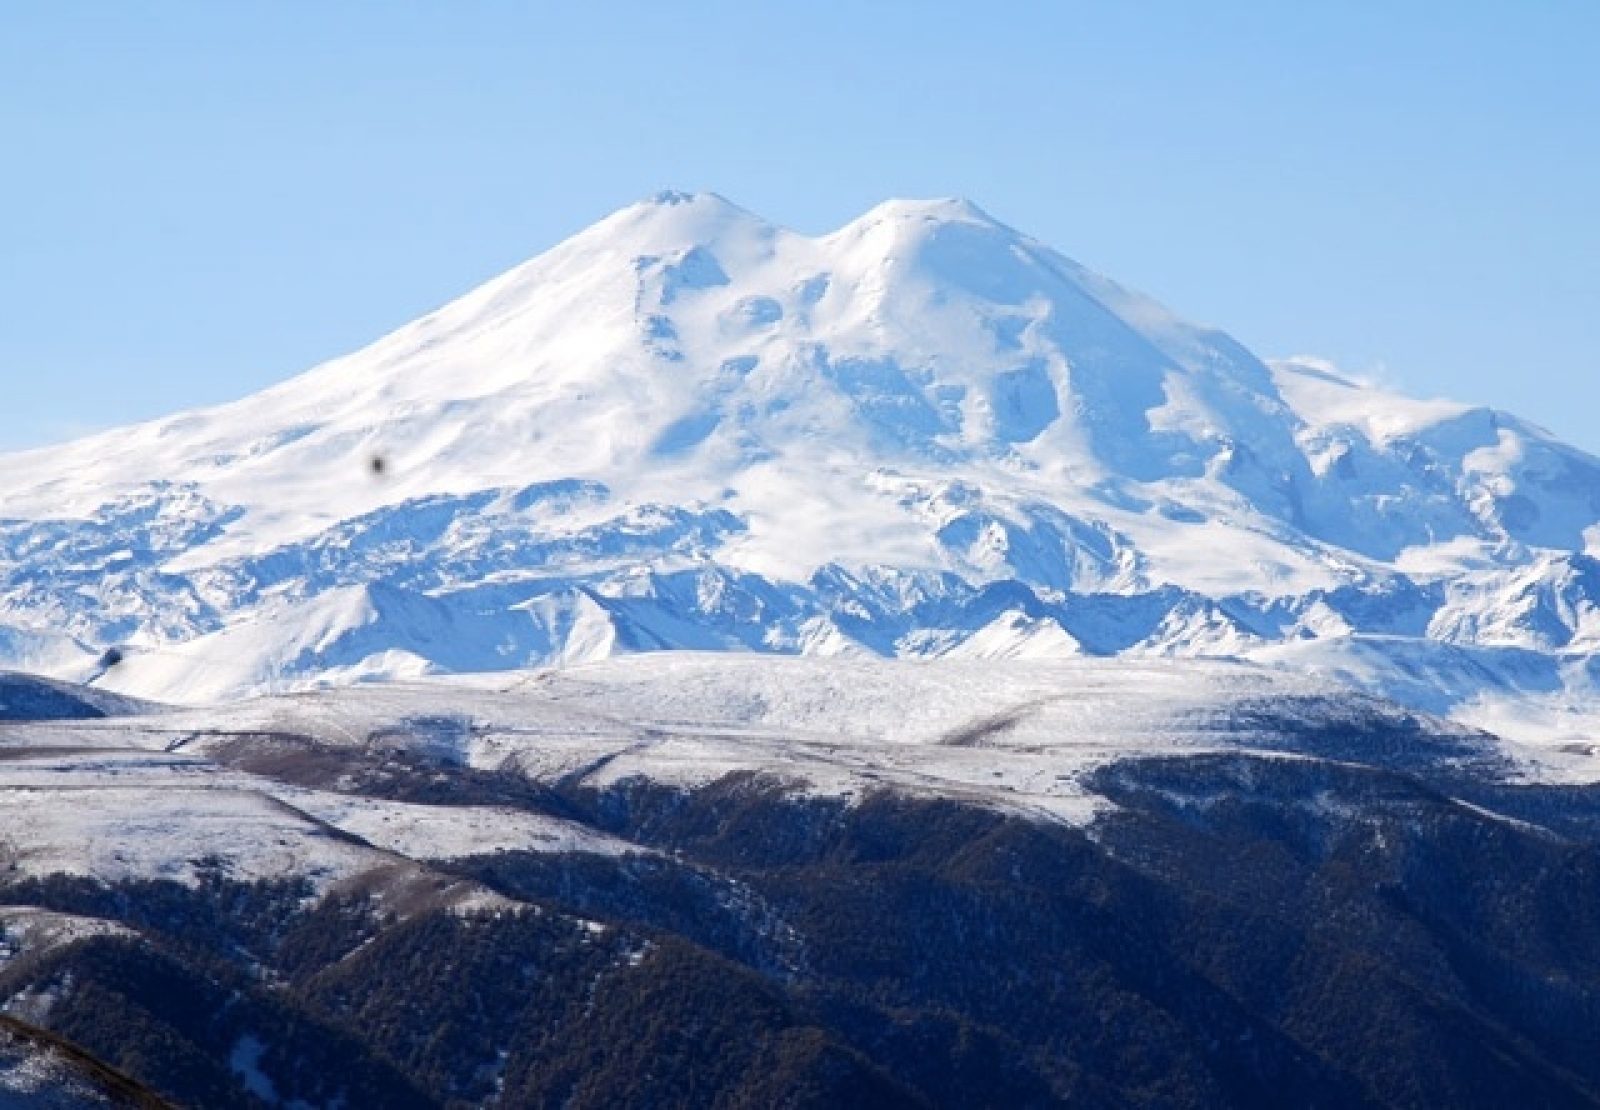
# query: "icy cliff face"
923,434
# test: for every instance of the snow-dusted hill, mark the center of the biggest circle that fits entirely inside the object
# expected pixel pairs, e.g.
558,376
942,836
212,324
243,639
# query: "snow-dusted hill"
1001,882
922,435
277,786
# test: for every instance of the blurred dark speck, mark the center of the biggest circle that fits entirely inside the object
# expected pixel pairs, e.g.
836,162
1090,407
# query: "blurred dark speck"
378,465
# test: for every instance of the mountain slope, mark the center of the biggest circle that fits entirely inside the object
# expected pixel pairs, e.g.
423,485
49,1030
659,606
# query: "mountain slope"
722,879
922,434
40,1071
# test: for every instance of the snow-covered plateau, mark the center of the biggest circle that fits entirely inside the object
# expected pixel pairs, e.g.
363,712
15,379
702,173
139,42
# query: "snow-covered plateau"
923,436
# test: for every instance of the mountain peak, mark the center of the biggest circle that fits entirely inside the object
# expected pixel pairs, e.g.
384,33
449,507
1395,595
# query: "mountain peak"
935,209
672,197
671,220
678,198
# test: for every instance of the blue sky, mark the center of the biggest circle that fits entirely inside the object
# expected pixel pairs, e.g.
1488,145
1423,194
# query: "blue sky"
200,199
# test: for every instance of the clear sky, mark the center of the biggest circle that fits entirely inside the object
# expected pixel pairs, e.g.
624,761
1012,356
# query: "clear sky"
198,199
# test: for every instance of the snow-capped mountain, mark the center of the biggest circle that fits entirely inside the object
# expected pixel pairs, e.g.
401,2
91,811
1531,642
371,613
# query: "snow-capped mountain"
924,434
